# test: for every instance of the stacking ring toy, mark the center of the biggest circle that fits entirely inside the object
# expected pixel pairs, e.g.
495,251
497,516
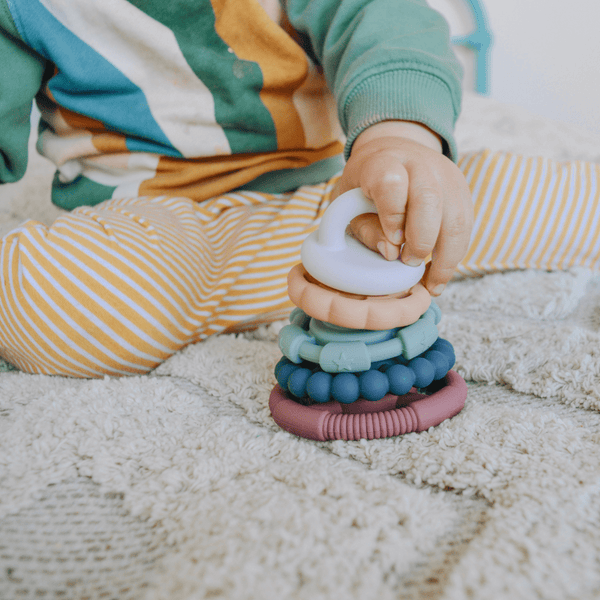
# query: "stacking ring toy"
370,420
362,355
358,312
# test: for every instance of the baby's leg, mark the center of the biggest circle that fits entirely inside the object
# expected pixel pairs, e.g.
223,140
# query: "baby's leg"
532,213
120,287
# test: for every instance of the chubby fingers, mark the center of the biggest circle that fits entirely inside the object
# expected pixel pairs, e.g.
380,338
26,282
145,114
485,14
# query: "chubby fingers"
384,179
454,234
426,199
367,229
424,205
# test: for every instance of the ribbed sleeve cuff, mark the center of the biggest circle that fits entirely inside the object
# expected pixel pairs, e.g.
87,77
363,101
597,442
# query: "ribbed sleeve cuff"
407,95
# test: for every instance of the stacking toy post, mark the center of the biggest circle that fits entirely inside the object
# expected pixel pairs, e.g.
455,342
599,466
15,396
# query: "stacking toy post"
362,357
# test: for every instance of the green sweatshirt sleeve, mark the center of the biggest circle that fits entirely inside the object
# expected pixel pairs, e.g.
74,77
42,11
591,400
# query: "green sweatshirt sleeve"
21,73
383,60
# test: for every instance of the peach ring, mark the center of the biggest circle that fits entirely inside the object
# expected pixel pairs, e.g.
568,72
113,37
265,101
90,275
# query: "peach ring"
355,311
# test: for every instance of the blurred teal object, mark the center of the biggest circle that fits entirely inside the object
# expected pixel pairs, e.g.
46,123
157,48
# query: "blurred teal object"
5,367
479,41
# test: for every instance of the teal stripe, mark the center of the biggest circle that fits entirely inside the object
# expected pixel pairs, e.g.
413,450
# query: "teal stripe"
235,84
80,192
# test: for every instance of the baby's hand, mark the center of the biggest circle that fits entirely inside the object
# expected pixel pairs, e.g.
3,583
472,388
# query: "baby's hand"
422,198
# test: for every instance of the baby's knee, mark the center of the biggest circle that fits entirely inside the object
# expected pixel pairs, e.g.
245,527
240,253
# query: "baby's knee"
75,303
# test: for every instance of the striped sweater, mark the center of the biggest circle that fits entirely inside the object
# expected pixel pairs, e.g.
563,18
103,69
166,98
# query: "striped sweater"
197,98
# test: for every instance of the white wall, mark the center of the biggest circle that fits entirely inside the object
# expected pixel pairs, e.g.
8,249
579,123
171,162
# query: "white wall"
545,55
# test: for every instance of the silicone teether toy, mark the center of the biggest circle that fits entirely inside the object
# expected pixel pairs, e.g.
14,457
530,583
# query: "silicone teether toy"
362,356
341,262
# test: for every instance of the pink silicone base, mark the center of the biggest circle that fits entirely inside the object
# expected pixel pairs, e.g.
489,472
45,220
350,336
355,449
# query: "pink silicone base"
369,420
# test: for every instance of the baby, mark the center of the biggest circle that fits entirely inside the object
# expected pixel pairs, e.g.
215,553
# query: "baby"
197,143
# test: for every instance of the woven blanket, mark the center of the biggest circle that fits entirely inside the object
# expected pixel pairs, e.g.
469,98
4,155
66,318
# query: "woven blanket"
178,485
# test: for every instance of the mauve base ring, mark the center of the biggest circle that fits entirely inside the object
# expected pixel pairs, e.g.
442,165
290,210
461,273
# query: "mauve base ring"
370,420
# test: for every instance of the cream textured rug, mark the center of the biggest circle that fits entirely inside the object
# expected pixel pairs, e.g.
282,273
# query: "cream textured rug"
179,486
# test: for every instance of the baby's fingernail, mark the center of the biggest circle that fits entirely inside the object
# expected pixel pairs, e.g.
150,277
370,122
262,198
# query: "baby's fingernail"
438,289
383,250
412,262
397,237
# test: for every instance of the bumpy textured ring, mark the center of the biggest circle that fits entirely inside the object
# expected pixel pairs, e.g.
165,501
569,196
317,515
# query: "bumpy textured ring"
355,355
369,420
357,312
306,384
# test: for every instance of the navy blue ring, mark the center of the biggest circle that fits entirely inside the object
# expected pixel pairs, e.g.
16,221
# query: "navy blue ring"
307,383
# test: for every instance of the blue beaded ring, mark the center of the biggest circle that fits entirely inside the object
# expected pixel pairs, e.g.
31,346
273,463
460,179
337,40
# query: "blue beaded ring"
307,383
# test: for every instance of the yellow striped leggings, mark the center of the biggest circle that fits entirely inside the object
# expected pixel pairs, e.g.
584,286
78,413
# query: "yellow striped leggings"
118,288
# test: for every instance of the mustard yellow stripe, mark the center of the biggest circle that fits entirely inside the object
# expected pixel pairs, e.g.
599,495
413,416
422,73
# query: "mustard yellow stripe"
508,231
482,160
117,262
255,37
466,162
24,340
118,319
531,218
593,222
38,327
491,220
571,205
482,208
170,263
546,206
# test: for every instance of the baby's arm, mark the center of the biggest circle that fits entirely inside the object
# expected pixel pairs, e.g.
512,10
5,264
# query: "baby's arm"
21,74
390,66
422,198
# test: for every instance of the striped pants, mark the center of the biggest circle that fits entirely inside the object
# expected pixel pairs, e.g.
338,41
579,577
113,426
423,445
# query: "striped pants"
118,288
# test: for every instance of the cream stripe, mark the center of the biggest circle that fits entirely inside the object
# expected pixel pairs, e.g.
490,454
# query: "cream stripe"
584,214
550,212
148,54
168,310
20,324
531,217
500,189
90,315
485,187
66,320
30,327
513,213
165,289
562,226
91,296
138,167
